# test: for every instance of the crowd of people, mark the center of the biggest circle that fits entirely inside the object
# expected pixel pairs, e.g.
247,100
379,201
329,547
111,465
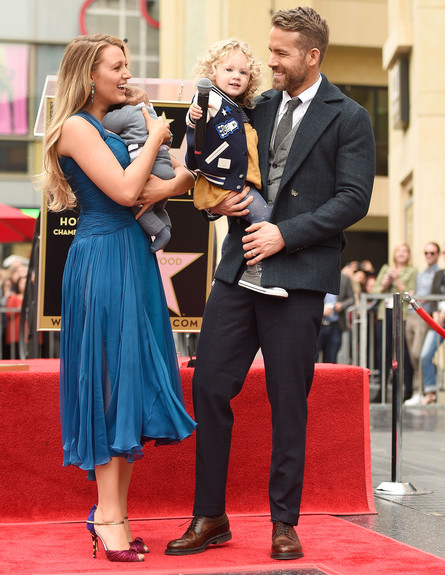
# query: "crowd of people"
421,342
13,277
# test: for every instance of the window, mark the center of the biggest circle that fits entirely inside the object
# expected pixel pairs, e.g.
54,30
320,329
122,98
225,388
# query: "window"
375,100
14,108
14,60
13,157
133,20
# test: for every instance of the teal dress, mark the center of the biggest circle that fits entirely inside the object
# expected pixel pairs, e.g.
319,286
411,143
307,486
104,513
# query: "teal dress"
119,377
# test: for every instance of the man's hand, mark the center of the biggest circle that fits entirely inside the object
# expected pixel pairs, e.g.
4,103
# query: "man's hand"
262,241
235,205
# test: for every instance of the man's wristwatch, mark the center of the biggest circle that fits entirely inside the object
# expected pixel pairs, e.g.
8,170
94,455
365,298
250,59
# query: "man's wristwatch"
211,215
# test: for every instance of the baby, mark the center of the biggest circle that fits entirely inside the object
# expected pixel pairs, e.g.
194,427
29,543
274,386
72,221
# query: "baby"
128,122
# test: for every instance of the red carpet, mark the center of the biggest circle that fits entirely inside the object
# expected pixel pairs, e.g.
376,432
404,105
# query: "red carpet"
333,546
39,499
35,487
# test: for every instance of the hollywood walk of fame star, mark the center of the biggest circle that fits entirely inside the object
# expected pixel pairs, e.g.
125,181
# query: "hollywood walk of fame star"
171,263
168,120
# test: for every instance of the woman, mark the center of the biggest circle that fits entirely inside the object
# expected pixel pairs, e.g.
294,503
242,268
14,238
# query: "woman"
119,378
398,277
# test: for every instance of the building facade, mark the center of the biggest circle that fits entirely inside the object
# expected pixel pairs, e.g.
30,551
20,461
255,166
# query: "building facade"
411,57
382,53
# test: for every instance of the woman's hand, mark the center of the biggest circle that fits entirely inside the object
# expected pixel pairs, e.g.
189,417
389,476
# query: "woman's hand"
157,127
156,190
389,279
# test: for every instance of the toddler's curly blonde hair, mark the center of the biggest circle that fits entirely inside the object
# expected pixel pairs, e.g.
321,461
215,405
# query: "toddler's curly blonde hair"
206,67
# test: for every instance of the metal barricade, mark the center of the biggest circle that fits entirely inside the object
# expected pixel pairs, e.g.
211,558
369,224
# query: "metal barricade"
363,350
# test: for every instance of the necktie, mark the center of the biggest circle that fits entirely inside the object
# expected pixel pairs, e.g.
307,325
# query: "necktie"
285,125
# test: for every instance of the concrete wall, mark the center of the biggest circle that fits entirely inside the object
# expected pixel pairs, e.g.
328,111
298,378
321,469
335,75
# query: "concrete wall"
417,152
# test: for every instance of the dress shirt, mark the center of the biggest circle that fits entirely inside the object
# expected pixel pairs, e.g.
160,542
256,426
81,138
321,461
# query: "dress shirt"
306,98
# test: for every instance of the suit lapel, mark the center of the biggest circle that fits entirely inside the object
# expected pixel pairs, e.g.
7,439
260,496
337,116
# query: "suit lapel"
264,120
315,121
317,118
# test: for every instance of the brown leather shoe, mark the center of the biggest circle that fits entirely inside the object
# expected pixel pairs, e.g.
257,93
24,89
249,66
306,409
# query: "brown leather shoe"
202,532
285,542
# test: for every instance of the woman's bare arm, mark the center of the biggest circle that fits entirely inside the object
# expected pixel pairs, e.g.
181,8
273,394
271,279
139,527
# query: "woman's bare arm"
81,141
156,190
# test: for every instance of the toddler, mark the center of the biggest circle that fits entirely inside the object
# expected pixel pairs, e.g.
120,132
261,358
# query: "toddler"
229,156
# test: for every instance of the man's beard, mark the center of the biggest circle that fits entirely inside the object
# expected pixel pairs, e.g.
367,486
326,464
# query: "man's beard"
291,82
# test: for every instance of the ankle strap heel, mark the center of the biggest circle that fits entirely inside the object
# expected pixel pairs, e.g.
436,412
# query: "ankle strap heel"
123,556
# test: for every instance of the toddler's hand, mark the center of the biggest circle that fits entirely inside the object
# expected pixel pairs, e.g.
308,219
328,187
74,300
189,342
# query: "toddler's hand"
195,112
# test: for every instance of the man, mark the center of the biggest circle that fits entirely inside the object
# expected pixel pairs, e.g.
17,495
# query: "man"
319,181
334,321
431,344
416,328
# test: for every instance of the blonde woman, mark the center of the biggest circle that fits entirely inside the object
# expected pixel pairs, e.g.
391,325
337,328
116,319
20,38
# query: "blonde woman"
397,276
119,379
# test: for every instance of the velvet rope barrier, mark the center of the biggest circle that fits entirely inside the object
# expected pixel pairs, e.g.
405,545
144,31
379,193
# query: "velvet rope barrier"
424,315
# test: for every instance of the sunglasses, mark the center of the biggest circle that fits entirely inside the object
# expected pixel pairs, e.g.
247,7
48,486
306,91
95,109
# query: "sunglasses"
432,253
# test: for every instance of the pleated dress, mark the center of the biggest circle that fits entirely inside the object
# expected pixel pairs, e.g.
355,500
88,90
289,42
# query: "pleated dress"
119,378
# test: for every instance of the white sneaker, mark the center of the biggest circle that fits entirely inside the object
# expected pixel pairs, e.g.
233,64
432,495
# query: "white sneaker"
416,399
251,279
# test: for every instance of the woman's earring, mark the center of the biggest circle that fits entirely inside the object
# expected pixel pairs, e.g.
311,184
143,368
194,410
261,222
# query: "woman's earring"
92,92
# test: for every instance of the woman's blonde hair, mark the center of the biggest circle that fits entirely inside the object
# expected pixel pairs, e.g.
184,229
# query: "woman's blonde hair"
206,67
396,249
73,89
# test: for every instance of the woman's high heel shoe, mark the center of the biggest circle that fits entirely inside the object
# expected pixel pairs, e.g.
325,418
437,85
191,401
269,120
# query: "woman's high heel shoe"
138,544
125,555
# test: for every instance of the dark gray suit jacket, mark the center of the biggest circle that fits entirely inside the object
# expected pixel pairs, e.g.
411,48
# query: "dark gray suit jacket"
326,187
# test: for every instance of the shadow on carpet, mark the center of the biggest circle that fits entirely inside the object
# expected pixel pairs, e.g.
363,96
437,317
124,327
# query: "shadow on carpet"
331,546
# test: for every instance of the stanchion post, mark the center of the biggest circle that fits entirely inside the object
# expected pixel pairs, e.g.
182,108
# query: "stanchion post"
396,486
398,374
